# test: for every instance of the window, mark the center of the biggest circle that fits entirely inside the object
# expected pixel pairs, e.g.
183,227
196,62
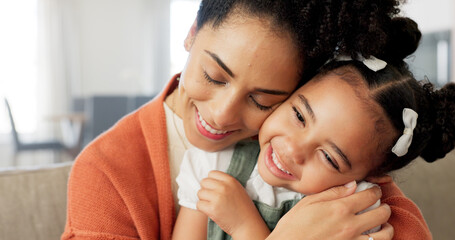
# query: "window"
18,63
183,13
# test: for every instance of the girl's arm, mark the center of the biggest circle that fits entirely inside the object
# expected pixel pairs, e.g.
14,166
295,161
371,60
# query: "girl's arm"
225,201
190,224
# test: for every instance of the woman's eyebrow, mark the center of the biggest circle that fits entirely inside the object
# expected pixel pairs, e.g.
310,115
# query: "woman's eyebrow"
304,101
220,63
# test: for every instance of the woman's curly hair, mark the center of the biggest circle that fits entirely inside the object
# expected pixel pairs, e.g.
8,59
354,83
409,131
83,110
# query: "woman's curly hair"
319,28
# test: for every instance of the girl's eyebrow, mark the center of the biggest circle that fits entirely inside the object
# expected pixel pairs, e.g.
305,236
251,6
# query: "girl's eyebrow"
304,101
220,63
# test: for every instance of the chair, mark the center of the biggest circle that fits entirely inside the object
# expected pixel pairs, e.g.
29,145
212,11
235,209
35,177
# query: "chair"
20,146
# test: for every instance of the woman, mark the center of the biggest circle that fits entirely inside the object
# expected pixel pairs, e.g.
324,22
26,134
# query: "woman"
245,58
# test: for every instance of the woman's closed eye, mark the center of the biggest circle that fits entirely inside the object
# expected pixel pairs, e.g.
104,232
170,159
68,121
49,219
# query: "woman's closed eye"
260,106
221,83
211,80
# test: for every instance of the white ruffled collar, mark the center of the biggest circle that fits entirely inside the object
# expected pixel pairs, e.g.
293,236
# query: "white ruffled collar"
263,192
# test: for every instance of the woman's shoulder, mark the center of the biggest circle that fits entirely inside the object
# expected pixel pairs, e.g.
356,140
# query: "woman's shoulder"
126,144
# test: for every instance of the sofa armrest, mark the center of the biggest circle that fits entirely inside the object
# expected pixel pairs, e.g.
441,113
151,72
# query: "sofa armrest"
33,202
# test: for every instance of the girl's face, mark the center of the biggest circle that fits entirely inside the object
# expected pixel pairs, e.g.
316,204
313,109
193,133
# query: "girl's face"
235,76
322,136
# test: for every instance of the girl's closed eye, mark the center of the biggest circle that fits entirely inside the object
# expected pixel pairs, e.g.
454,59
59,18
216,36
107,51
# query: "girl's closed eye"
299,116
330,160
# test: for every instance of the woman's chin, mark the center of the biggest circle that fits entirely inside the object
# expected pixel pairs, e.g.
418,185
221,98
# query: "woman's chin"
210,145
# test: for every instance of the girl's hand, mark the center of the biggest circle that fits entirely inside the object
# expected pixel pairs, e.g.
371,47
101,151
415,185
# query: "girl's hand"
332,215
223,199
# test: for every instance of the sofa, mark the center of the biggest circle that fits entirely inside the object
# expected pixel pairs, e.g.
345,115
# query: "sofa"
33,200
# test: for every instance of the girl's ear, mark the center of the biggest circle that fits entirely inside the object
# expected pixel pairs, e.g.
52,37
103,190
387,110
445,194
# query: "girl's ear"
190,37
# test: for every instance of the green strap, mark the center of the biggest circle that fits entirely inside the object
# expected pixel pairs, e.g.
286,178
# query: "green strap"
271,215
241,166
243,161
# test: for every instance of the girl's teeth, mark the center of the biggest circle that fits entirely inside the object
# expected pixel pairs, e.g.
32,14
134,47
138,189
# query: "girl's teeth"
275,160
208,128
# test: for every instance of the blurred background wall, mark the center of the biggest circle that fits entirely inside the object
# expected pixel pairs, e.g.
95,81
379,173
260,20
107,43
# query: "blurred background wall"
56,52
100,59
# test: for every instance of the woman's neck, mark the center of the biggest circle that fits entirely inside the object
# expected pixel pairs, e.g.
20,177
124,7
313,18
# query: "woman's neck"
173,100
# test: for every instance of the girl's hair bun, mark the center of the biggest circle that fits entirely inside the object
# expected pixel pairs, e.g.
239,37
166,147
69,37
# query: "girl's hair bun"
442,138
403,39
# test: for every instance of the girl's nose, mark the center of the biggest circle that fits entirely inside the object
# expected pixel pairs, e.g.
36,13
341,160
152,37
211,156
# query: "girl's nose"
296,148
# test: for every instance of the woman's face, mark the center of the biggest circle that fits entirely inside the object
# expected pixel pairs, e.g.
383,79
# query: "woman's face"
322,136
235,76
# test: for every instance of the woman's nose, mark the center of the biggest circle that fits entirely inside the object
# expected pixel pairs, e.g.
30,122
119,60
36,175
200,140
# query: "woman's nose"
226,111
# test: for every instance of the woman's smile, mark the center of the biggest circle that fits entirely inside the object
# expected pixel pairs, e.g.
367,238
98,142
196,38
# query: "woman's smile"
207,130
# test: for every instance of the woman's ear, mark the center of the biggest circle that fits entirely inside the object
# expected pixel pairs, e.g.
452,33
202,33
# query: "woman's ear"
190,37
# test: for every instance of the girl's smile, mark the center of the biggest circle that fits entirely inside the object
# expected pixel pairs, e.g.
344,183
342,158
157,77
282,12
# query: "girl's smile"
276,166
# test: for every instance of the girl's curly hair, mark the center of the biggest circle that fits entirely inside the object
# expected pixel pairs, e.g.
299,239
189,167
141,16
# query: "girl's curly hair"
393,89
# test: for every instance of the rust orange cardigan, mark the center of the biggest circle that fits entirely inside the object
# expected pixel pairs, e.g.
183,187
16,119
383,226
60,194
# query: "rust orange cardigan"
120,185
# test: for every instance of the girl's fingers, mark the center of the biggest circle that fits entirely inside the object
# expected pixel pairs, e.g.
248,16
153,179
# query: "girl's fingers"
375,217
210,183
205,194
203,206
215,174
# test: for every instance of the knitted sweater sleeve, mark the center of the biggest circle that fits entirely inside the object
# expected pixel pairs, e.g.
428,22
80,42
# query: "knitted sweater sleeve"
406,218
96,207
119,186
113,187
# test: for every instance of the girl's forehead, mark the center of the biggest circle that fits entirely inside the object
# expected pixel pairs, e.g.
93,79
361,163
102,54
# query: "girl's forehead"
340,104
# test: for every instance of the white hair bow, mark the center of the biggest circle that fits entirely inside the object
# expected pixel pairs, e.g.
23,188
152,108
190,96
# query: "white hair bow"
403,143
372,62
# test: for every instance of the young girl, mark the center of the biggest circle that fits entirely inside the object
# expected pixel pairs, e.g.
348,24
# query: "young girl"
356,119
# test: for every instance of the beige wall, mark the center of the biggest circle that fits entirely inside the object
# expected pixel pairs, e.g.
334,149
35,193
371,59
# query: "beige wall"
117,47
431,186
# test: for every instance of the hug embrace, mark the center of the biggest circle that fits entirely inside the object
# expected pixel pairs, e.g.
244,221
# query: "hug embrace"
280,103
